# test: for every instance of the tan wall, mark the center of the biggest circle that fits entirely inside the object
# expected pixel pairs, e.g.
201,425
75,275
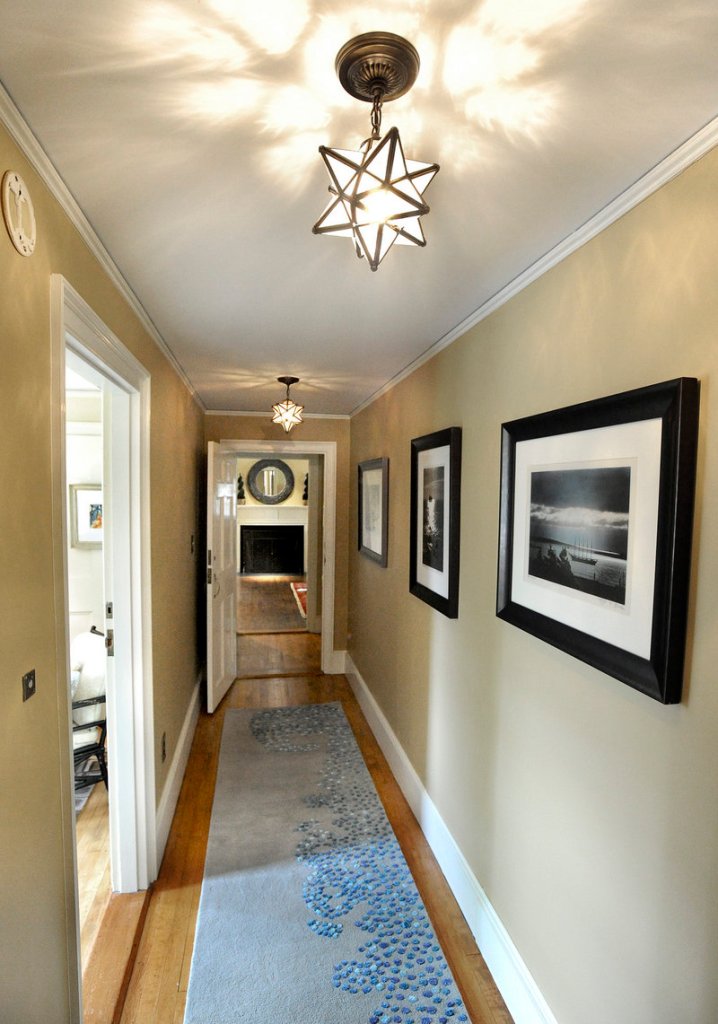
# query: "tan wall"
588,812
35,834
255,428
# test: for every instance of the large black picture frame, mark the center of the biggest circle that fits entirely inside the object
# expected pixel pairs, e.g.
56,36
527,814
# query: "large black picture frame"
634,630
373,509
436,519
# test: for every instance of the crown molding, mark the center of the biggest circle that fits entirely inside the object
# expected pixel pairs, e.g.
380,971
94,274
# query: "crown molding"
670,167
264,415
23,135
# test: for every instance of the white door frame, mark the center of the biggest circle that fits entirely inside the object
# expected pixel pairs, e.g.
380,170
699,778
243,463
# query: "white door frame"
332,661
75,325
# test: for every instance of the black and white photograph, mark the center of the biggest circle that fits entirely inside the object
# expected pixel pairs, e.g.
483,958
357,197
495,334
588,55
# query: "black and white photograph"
595,529
373,518
432,549
435,519
579,529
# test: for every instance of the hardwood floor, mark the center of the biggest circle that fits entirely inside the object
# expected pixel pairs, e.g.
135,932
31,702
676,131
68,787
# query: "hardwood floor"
158,985
263,657
266,604
93,858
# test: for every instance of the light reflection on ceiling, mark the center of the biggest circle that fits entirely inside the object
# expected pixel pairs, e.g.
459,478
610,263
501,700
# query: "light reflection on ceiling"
188,130
481,77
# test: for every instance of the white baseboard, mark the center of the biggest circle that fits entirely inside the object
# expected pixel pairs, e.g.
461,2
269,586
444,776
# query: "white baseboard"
337,663
512,977
173,784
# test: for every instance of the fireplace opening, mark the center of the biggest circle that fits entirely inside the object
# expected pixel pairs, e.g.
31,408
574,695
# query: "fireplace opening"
272,549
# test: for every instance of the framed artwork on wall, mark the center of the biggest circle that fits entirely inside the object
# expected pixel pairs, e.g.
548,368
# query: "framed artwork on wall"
374,509
86,515
435,519
595,525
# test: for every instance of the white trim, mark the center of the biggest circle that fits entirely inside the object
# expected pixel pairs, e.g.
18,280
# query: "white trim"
337,663
62,653
170,794
21,132
75,325
267,415
512,976
296,449
674,164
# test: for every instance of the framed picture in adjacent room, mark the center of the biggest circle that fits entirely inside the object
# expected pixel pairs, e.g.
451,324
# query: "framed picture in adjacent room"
595,530
435,519
374,509
86,515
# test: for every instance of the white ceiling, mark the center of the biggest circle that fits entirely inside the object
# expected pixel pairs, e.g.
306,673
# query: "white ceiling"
187,131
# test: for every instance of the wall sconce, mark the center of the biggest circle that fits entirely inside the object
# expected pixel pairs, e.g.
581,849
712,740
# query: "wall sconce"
376,192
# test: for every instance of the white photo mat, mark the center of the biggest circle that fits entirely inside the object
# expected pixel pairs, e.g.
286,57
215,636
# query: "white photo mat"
434,579
637,445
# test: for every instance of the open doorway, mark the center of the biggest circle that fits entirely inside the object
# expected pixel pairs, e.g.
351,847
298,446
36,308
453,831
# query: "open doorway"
279,502
223,560
118,509
279,566
86,613
87,656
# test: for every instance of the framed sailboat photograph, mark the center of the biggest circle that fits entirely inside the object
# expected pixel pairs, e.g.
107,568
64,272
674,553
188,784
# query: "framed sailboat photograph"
595,531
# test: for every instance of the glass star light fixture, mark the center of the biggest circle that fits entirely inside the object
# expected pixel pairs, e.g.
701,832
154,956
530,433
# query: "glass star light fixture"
376,192
287,413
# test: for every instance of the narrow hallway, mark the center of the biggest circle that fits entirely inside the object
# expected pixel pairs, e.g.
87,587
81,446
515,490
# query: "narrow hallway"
280,670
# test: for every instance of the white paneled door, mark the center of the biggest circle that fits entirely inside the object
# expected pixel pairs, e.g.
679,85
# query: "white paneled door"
221,569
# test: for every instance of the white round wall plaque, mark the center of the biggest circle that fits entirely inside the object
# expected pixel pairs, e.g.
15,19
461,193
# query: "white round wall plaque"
18,213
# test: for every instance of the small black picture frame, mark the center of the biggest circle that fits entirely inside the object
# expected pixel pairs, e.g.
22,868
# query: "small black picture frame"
373,502
436,519
595,529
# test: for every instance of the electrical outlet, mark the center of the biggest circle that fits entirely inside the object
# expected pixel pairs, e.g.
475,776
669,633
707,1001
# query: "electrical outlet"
164,746
28,684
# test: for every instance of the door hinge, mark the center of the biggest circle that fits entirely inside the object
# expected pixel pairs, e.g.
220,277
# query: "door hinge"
209,576
110,643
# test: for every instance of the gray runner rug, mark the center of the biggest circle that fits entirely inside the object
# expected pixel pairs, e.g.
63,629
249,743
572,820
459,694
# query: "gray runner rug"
308,912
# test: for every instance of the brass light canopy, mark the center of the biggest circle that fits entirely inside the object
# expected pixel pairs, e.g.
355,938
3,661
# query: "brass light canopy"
376,192
287,413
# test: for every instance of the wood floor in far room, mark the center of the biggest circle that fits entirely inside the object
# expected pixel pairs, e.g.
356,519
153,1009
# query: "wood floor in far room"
158,985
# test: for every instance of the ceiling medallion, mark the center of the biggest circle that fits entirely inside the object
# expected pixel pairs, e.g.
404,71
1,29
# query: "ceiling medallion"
287,413
18,213
376,192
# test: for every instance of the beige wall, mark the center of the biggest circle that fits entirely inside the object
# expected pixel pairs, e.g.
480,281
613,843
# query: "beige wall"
35,834
256,428
588,812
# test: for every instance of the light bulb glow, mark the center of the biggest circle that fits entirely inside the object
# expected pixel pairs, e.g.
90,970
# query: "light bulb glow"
376,197
287,413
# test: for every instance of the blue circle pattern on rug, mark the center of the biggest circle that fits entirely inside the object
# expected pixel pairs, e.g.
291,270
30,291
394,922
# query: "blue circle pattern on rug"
358,863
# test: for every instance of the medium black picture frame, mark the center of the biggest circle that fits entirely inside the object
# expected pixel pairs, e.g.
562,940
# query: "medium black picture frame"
436,519
650,437
373,510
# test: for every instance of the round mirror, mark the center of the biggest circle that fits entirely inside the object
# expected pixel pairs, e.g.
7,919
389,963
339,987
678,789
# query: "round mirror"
270,481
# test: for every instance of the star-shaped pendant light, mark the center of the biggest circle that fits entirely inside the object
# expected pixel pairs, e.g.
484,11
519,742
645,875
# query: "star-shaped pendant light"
376,192
287,413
